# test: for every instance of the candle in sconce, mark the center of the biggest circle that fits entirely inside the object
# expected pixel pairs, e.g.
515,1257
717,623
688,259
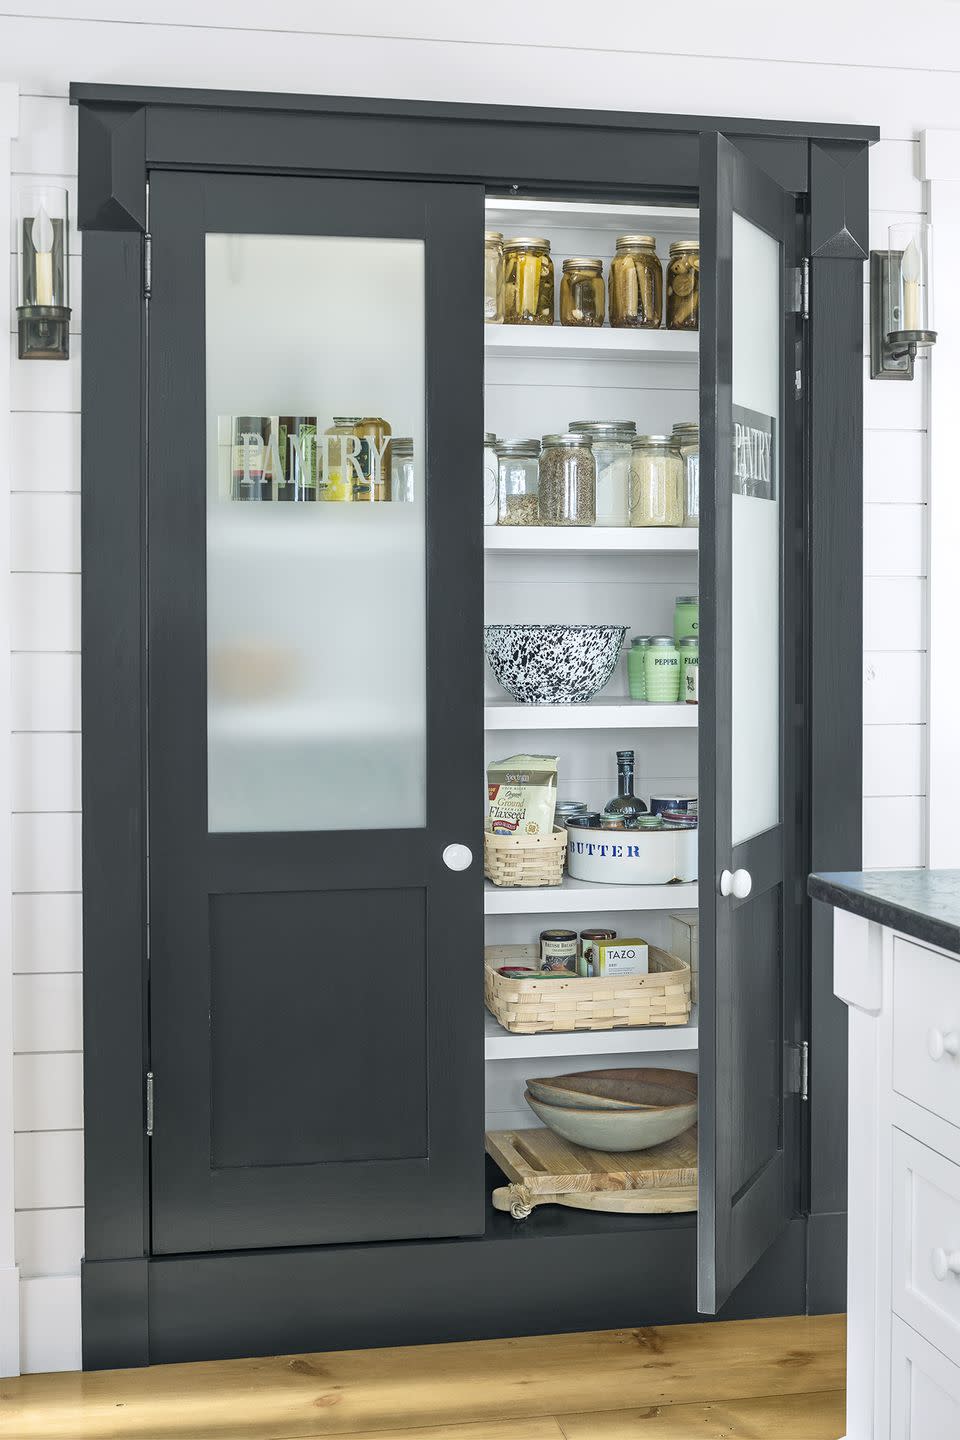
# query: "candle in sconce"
41,234
910,271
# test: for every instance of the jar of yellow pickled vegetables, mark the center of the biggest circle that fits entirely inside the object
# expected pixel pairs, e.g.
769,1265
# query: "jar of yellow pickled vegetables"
527,281
683,285
581,292
636,284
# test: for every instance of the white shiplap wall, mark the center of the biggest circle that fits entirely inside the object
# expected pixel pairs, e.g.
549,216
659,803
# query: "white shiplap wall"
743,60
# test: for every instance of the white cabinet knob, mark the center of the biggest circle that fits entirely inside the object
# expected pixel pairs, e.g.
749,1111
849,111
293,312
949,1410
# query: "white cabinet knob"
940,1043
458,857
739,883
945,1262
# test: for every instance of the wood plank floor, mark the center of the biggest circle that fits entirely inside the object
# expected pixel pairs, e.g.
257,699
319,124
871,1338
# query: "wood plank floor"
778,1378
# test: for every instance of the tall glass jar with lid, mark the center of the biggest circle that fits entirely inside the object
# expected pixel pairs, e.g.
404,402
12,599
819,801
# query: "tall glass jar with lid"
636,284
581,292
568,480
527,281
491,479
656,482
686,438
611,440
401,469
518,482
493,277
683,285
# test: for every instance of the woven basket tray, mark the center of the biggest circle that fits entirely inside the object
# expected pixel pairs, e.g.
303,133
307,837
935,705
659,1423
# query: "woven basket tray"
530,1007
525,859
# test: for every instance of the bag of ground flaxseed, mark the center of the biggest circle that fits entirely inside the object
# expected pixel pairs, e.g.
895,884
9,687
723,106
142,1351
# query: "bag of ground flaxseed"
522,795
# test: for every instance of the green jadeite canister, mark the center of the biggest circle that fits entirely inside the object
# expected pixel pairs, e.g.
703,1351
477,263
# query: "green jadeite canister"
661,661
689,659
636,676
686,616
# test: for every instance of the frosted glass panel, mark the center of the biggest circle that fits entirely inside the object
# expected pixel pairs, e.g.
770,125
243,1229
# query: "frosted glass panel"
316,701
756,531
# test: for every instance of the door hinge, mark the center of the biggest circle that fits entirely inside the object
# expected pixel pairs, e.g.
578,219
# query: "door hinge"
147,264
149,1102
800,290
800,1067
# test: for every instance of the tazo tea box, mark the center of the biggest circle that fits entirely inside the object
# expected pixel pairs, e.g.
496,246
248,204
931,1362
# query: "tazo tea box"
621,957
522,795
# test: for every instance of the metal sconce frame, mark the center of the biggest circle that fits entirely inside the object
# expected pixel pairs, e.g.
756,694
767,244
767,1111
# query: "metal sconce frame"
893,350
43,254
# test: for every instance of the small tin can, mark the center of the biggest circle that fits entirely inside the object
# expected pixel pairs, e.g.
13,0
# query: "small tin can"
650,822
558,950
586,820
589,940
566,809
659,803
679,820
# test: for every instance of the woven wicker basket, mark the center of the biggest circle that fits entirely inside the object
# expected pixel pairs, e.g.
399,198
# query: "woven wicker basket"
525,859
530,1007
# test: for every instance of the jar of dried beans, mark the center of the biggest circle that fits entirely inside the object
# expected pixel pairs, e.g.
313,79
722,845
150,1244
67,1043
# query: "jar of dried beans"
636,283
683,285
581,292
568,481
518,481
656,482
527,281
493,277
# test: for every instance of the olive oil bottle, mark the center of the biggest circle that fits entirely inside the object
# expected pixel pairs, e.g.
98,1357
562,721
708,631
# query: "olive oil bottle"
624,809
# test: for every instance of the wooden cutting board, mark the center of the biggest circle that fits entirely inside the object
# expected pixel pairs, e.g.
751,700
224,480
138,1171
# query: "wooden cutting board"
545,1170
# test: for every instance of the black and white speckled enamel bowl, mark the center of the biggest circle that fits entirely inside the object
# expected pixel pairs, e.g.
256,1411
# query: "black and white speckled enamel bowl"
553,664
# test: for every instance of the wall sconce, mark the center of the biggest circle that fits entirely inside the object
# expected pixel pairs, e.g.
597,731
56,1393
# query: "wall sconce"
43,254
901,301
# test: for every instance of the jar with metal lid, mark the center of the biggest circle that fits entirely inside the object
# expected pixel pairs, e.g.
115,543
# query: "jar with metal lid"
589,939
636,284
491,471
566,809
559,950
568,480
581,292
686,437
611,440
493,277
401,470
527,281
656,482
518,478
661,661
683,285
636,679
686,617
689,648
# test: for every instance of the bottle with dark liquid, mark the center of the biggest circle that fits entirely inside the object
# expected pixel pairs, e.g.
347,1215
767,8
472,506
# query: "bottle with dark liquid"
624,809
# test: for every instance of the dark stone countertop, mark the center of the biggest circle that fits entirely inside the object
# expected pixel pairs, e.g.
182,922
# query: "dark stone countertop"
922,903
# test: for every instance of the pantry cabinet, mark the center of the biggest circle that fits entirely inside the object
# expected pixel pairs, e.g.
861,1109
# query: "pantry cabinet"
288,1070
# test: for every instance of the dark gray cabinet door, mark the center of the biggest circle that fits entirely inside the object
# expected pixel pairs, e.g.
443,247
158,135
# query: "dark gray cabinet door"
750,747
315,711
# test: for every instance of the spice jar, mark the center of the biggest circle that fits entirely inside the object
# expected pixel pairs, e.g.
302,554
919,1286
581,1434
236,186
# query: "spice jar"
493,277
661,661
589,939
656,482
611,440
683,285
517,482
689,648
686,438
527,281
491,470
568,481
401,470
636,678
686,617
636,283
581,292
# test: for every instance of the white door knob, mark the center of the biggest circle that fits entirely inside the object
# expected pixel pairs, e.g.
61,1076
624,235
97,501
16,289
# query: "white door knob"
945,1262
458,857
739,883
940,1044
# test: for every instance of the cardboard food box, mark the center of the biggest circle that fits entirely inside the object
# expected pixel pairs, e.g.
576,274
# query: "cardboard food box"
616,957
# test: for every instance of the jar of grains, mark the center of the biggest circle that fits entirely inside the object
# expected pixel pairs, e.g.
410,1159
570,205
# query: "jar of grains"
491,479
581,292
493,277
656,482
683,285
636,283
527,281
686,439
568,481
611,440
518,464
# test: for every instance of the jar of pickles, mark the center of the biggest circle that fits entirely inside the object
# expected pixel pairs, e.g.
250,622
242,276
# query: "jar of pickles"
611,441
357,459
686,438
636,283
568,480
401,472
527,281
493,277
518,482
683,285
582,300
656,482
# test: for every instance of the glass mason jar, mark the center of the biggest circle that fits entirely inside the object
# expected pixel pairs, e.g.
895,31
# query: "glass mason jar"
402,469
636,283
493,277
636,675
527,281
611,440
568,481
518,463
686,438
656,482
356,459
491,473
683,285
661,660
581,292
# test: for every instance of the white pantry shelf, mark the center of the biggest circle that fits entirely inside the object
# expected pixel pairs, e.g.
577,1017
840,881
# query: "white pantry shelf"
581,897
499,1044
603,713
574,342
591,539
531,213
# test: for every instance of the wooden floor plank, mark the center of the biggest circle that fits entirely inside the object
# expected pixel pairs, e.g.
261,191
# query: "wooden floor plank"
794,1417
352,1392
543,1427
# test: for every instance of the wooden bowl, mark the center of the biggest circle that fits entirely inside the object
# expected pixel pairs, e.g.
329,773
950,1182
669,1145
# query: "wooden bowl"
616,1089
